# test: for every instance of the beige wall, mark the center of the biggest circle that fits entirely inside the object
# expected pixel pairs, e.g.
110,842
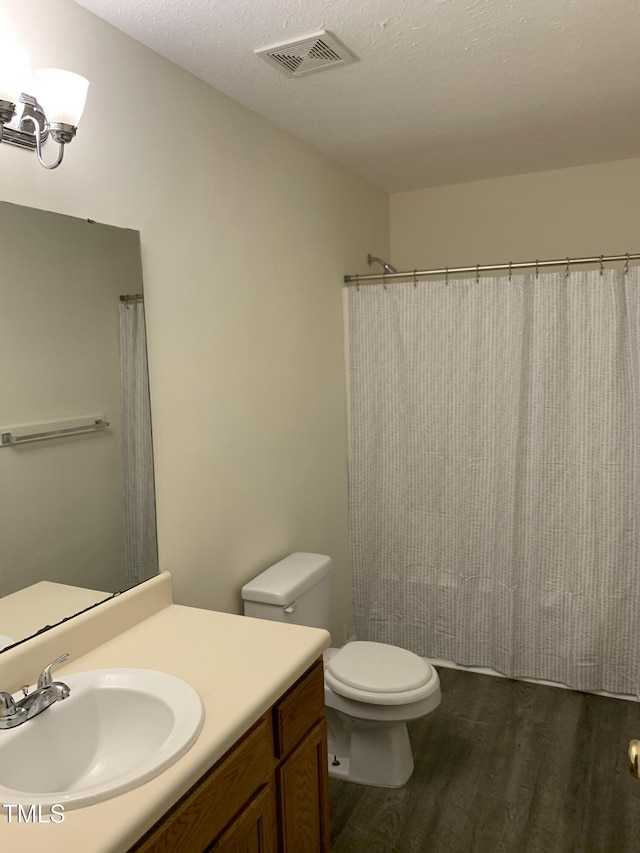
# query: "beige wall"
587,210
246,234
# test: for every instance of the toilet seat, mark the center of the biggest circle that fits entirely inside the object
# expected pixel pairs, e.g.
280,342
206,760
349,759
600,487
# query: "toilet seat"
380,674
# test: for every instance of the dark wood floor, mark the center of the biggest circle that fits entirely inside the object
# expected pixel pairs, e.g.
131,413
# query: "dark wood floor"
504,767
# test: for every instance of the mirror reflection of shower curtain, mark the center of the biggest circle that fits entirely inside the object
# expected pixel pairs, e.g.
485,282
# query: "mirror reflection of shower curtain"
495,473
141,550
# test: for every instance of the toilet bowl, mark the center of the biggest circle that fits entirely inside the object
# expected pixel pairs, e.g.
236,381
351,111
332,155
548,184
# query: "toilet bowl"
371,689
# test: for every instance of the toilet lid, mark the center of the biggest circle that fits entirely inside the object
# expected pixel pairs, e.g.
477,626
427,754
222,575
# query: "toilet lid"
378,668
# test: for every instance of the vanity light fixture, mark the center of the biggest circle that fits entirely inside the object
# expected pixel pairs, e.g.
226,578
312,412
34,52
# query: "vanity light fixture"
28,122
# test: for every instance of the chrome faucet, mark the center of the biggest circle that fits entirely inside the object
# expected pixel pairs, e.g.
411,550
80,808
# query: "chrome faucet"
47,692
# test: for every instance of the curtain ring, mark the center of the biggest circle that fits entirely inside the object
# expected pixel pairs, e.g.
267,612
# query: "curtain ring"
537,270
477,273
357,277
601,264
446,275
626,264
384,279
509,270
415,278
566,269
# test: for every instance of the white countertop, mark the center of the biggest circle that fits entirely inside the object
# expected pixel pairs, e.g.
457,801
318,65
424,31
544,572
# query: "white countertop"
239,667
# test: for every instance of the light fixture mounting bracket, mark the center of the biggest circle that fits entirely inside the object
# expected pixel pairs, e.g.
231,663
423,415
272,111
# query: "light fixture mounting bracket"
23,135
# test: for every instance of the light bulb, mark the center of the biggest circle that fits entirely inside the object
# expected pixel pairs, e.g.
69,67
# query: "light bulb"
61,94
14,70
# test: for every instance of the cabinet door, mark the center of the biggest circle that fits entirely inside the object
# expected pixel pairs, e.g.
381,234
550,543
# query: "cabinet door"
254,830
213,802
303,795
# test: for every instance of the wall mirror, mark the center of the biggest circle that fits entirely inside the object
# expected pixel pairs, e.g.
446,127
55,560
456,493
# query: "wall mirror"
77,507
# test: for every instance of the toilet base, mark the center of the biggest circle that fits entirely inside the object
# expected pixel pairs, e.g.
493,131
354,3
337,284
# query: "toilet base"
369,753
343,772
339,770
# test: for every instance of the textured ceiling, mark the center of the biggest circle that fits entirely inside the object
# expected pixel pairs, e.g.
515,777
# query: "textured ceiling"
444,90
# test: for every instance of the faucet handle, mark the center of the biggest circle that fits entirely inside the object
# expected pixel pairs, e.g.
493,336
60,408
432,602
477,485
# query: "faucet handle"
9,711
7,705
45,676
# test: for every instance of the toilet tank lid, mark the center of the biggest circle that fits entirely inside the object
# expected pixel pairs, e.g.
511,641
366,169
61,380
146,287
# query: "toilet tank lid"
283,582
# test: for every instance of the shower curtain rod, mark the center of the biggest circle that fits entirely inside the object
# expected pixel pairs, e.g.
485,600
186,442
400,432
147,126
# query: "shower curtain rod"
355,280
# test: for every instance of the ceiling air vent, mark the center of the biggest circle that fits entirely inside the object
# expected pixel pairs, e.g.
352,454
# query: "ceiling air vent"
311,53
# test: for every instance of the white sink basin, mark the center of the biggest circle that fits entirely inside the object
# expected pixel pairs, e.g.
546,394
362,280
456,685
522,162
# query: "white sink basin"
118,729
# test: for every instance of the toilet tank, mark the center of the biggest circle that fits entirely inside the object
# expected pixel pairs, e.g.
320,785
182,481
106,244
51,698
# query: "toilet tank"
295,590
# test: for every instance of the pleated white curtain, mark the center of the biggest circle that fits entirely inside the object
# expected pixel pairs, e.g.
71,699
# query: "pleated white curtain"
141,550
495,473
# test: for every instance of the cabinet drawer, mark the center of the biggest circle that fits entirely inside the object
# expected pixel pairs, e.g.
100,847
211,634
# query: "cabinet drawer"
299,709
203,812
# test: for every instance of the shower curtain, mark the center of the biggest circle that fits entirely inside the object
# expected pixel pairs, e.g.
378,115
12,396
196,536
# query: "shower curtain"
494,472
141,550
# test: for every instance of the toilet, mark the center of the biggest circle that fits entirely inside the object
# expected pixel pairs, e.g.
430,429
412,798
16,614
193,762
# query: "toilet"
371,690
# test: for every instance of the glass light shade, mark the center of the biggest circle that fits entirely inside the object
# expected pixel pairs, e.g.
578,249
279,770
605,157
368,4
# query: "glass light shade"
14,71
61,94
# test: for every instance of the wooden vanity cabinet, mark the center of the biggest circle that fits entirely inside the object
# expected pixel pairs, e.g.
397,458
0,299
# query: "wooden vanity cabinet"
267,794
